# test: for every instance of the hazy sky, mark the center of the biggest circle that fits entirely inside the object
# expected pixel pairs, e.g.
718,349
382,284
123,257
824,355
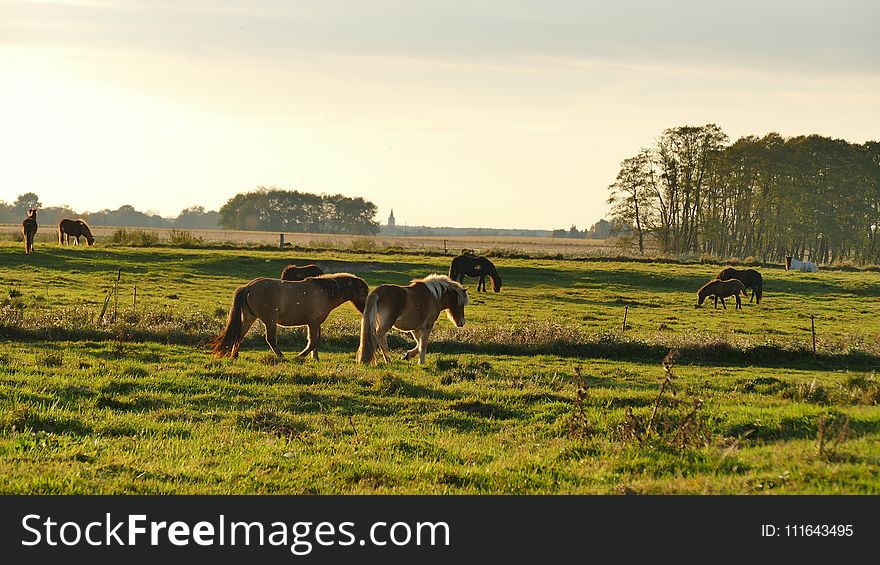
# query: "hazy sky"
503,114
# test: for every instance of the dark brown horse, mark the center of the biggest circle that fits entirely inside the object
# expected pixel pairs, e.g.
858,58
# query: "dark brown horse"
74,229
749,277
721,289
29,230
294,273
287,303
468,264
413,309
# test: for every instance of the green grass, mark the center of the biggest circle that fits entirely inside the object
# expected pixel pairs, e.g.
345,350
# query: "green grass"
138,406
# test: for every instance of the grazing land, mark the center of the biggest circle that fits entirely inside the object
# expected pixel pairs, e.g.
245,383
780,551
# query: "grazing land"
543,391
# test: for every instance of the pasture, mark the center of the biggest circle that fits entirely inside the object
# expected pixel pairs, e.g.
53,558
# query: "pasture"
543,391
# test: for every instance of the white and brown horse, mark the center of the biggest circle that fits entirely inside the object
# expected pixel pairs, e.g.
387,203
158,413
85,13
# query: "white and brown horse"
287,303
802,266
412,309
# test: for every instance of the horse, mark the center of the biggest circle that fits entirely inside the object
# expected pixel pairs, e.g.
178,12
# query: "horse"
29,230
721,289
802,266
75,229
294,273
468,264
749,277
287,303
414,308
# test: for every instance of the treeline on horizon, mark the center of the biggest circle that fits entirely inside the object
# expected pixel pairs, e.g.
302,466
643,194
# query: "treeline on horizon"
692,191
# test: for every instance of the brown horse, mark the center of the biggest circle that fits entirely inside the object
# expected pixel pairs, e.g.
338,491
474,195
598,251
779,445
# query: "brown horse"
294,273
468,264
721,289
29,230
749,277
75,229
287,303
413,309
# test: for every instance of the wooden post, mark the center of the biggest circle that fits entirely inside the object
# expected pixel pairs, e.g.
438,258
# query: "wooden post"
134,299
625,311
445,249
116,293
813,328
281,240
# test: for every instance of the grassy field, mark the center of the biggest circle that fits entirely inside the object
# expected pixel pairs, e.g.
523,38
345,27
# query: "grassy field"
543,391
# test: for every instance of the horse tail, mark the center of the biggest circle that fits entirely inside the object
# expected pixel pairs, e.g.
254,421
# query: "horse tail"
366,353
227,342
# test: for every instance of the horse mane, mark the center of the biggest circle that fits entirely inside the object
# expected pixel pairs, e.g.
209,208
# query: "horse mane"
438,283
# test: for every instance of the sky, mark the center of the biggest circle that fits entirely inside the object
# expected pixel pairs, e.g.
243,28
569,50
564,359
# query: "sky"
506,113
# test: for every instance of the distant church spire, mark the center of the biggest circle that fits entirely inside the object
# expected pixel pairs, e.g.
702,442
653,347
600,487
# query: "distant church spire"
391,219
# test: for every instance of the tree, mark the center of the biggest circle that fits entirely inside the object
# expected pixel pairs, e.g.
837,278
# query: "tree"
25,202
630,197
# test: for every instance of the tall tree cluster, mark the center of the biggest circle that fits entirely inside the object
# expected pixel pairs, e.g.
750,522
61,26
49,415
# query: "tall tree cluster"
813,197
293,211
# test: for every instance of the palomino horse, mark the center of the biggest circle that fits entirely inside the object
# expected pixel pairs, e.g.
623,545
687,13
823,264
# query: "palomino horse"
749,277
29,230
294,273
287,303
802,266
75,229
468,264
413,309
721,289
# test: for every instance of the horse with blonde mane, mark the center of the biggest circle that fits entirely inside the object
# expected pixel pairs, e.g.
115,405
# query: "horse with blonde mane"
29,230
414,309
287,303
721,289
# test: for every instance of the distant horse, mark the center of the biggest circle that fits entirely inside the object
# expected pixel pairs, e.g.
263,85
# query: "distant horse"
721,289
294,273
413,309
749,277
75,229
29,230
802,266
468,264
287,303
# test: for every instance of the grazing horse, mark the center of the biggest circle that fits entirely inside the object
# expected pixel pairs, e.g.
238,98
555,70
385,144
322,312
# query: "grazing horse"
29,230
413,309
802,266
468,264
287,303
749,277
294,273
75,229
721,289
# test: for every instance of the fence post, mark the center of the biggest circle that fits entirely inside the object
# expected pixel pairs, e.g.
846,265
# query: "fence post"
281,240
813,329
625,311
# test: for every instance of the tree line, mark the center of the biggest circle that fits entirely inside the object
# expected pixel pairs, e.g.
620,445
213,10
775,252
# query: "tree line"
275,209
264,209
812,197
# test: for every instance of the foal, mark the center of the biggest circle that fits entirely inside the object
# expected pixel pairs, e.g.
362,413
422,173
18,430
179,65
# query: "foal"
29,230
721,289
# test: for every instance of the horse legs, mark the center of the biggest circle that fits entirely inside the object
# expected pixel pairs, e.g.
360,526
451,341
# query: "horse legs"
716,301
271,333
752,296
247,320
314,335
481,286
417,335
723,304
423,343
382,336
738,302
383,345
